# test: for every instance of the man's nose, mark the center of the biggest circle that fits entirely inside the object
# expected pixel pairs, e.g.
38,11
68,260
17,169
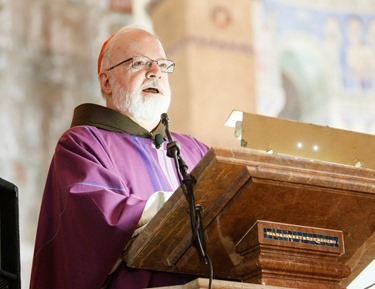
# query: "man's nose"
154,71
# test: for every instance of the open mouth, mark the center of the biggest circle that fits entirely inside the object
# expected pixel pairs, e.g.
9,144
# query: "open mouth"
151,90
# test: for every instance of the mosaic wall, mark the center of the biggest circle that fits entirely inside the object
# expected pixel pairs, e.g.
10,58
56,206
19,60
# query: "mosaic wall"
325,62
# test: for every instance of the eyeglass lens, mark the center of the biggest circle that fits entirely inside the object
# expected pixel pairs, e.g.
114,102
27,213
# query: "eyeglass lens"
143,62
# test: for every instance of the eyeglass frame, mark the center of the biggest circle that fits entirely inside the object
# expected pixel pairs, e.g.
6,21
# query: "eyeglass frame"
152,60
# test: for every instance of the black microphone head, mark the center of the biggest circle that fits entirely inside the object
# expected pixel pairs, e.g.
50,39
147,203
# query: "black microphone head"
164,118
158,140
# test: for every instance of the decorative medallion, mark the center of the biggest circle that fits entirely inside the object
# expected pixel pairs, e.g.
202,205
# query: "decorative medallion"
221,16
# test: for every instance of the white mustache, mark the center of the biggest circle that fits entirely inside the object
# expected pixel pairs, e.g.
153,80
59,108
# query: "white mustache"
154,83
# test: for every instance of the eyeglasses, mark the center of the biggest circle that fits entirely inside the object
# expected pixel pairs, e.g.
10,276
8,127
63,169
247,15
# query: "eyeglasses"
144,62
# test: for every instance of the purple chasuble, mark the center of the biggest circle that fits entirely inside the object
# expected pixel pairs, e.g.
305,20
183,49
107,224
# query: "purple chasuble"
98,183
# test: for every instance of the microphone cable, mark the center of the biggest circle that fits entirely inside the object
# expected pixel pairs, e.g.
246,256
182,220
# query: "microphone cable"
368,287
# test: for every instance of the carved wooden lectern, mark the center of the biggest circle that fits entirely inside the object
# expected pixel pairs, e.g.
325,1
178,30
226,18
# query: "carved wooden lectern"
269,219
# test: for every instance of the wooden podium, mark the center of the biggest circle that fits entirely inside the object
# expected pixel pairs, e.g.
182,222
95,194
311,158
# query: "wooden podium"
269,219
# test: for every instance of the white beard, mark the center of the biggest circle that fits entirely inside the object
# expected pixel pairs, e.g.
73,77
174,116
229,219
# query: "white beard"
140,106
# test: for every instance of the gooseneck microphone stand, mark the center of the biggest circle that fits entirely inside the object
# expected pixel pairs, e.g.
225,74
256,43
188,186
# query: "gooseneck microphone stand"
187,182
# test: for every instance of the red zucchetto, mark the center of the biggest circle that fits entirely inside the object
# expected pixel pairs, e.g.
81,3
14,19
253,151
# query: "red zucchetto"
100,57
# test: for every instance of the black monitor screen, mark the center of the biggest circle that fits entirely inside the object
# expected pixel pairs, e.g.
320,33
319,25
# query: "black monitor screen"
9,236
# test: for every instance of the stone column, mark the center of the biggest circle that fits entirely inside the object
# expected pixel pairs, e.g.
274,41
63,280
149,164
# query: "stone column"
211,43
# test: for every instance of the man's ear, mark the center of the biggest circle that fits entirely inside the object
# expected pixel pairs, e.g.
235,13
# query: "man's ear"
104,82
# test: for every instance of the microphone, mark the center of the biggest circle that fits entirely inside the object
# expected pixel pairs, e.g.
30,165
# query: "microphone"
173,147
158,140
165,122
